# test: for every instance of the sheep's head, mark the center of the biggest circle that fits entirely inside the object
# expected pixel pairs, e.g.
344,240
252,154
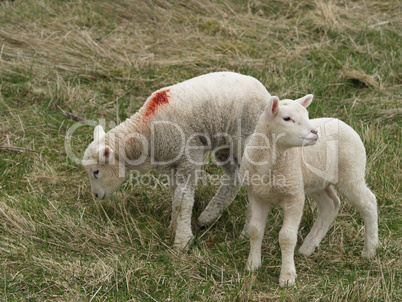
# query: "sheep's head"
102,167
289,122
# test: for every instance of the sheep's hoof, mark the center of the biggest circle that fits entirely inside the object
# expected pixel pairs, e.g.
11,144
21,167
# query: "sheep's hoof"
288,283
206,219
183,245
306,250
170,227
288,279
368,254
244,231
244,235
253,265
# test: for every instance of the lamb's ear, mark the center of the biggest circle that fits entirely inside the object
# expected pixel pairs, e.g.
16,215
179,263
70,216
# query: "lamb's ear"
98,133
105,153
272,108
305,101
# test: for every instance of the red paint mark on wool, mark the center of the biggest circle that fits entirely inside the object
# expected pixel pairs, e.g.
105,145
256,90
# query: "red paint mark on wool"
159,98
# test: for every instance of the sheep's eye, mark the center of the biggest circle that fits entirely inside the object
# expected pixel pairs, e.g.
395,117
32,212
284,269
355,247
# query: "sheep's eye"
96,173
287,118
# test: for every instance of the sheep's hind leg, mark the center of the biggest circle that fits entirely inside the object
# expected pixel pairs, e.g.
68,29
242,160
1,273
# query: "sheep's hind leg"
224,196
328,205
365,202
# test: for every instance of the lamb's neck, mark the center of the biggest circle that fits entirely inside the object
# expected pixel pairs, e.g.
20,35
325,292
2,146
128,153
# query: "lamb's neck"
127,140
130,125
265,147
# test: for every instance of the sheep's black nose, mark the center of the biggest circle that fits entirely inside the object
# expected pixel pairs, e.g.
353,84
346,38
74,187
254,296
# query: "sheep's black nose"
314,131
96,194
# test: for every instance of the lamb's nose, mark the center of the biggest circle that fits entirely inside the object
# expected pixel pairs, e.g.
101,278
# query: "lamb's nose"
96,194
314,131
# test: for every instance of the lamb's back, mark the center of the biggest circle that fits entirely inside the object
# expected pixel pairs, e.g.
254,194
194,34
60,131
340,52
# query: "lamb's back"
338,153
213,103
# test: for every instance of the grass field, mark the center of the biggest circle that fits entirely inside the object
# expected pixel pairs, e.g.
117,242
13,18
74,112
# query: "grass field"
101,60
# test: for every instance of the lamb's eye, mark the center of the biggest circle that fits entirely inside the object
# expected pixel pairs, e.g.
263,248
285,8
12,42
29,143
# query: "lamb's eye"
287,118
96,173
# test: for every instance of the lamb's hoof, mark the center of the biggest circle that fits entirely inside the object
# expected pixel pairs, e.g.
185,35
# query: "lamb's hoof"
183,245
287,279
206,219
306,250
368,254
170,227
244,235
252,266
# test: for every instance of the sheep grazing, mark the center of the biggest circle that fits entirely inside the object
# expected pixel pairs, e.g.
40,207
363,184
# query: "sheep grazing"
337,159
171,133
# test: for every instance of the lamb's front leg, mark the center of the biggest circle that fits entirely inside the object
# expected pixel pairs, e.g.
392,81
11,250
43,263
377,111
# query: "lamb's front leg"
183,201
173,219
293,210
259,210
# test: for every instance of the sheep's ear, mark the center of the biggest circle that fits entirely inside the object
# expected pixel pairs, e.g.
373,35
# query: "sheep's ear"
105,153
305,101
272,108
98,133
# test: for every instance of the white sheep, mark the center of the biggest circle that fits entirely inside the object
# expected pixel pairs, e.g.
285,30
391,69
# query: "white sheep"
171,133
337,160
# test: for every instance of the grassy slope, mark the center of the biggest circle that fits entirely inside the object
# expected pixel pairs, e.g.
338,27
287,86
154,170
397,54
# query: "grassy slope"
100,60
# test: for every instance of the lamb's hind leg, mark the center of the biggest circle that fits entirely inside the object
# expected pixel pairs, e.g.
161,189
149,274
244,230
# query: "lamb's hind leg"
224,196
328,207
365,202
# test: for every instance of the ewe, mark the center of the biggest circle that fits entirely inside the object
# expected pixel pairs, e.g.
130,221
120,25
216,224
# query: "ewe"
337,159
171,133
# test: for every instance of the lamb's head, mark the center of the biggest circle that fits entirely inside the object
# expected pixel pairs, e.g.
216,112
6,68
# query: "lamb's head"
102,167
289,123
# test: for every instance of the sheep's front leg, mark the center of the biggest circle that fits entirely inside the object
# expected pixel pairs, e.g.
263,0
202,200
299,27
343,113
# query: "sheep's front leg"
173,219
287,239
259,210
183,201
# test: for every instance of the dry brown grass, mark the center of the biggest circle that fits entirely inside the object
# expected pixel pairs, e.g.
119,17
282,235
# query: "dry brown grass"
101,59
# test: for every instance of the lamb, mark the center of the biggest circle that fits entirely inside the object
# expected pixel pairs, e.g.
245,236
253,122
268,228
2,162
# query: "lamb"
337,159
171,133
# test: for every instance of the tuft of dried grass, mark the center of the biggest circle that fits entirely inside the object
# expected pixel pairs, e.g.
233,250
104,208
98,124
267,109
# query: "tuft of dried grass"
359,77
